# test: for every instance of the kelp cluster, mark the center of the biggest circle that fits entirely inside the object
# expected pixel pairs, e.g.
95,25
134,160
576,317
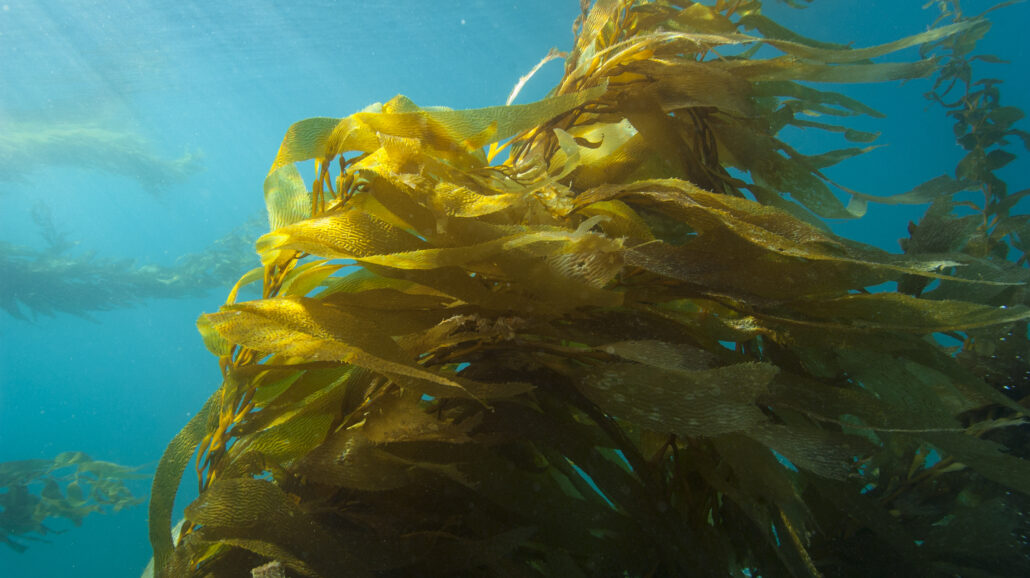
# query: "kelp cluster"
985,225
56,278
605,334
70,486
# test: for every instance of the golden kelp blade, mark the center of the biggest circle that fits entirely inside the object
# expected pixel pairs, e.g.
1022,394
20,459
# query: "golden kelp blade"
344,234
286,198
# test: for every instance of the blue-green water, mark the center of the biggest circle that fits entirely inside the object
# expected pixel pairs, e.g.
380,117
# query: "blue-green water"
226,79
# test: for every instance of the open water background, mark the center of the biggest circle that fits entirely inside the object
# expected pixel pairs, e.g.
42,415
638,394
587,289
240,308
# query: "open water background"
227,78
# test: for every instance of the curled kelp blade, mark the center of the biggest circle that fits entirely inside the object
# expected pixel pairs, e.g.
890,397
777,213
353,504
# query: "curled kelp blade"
287,199
660,56
328,137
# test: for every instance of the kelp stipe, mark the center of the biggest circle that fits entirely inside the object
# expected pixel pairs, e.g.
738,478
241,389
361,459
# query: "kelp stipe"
607,355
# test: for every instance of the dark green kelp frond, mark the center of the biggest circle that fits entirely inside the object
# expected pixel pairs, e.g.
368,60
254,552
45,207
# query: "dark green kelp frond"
605,355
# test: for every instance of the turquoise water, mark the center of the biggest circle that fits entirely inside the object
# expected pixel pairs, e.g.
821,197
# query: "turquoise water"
223,81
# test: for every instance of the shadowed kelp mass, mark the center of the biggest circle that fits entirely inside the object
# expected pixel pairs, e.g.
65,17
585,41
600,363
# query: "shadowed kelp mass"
631,348
71,486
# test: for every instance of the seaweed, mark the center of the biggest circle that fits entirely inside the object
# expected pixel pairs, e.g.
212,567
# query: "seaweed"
605,333
70,486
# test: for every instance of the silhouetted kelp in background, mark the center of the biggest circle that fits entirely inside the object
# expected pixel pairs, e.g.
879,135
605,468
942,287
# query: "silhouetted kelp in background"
90,141
54,278
70,486
611,354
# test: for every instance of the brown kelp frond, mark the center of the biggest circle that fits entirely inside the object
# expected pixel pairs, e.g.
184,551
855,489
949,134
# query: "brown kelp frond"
603,354
70,486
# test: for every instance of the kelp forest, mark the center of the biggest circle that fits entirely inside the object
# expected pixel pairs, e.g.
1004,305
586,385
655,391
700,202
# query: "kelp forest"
609,332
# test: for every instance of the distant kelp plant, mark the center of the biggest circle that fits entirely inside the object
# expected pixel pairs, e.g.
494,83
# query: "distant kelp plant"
41,281
89,144
608,334
70,486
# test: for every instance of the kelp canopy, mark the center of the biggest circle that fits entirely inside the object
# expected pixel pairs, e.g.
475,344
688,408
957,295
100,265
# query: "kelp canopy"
628,349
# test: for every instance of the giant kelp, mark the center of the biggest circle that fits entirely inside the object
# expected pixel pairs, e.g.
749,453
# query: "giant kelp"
70,486
628,348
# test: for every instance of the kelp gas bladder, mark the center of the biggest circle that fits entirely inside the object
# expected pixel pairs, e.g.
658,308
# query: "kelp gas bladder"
624,350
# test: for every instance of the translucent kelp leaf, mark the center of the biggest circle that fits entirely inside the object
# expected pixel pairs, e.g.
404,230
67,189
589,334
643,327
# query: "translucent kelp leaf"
701,18
435,258
307,140
512,119
764,490
771,29
785,271
287,199
306,278
815,399
214,342
293,438
786,68
821,52
456,201
253,276
346,234
307,330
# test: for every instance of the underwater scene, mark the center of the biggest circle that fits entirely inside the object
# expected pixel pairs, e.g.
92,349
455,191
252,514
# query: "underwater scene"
531,288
